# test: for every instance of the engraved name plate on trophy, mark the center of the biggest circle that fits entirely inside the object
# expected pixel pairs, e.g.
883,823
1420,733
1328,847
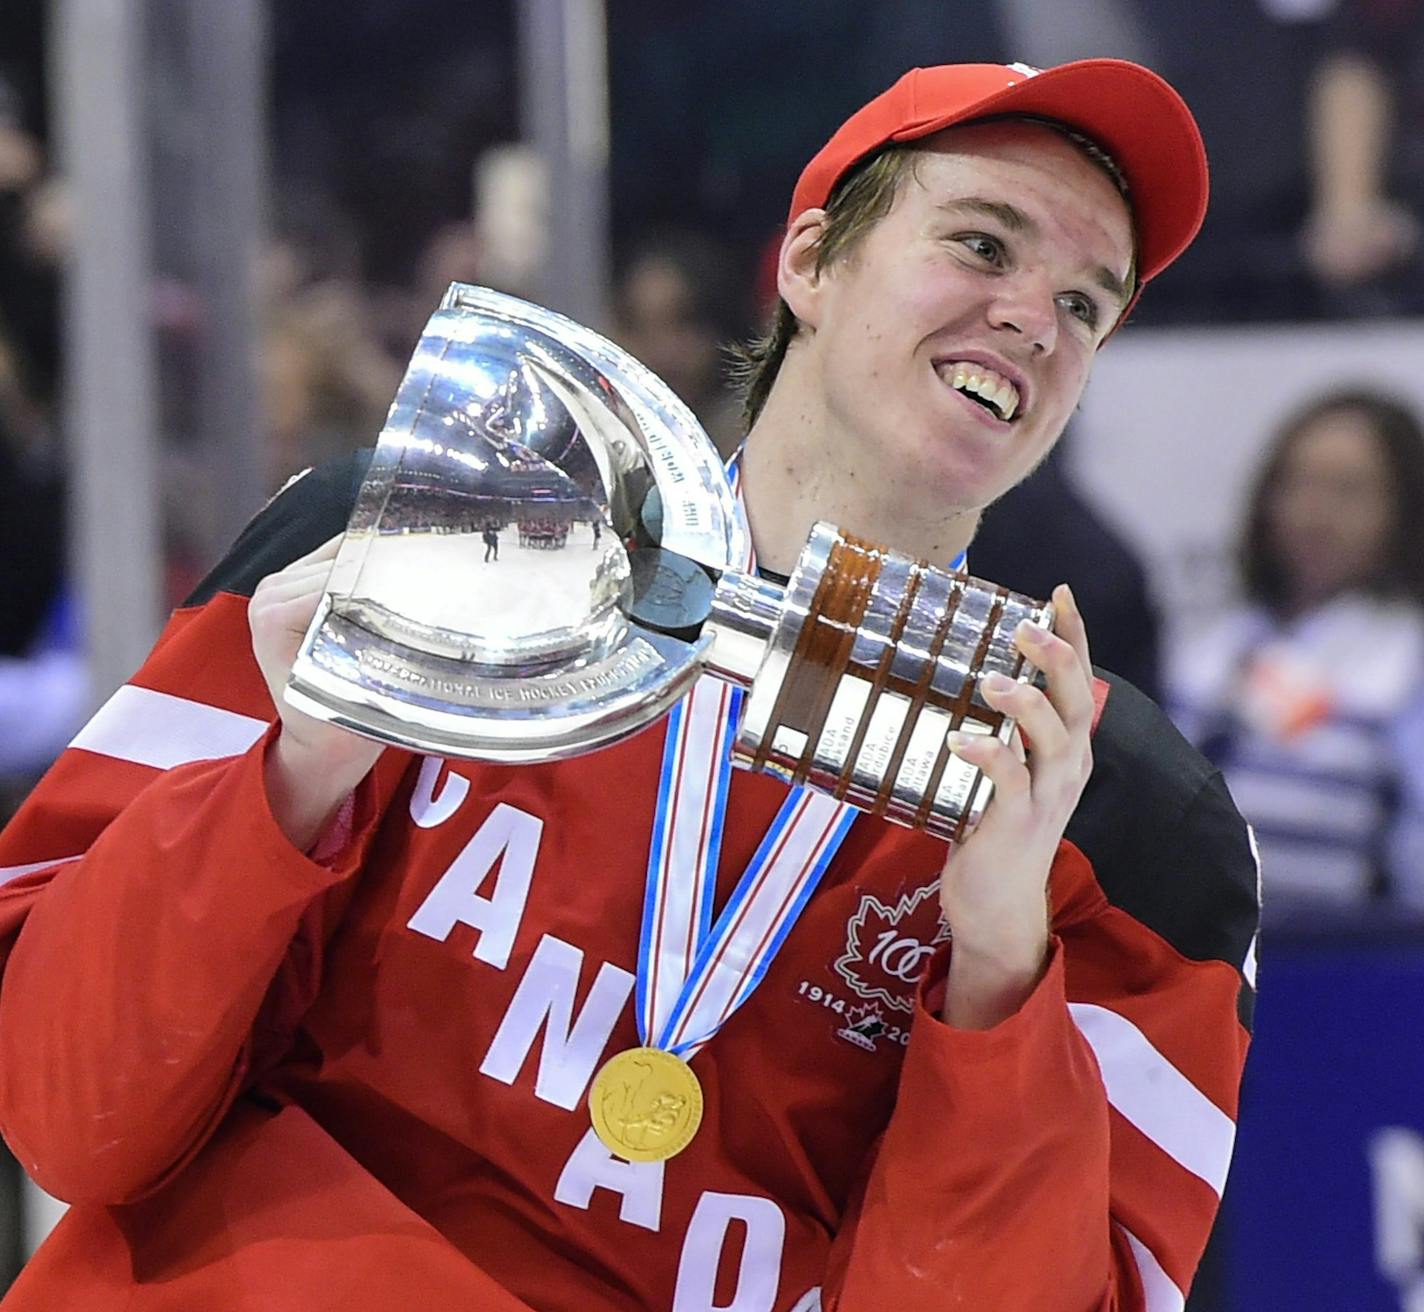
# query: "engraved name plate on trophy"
546,553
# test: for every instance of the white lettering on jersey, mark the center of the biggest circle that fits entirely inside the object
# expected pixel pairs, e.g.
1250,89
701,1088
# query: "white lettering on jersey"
509,838
760,1271
572,1048
592,1167
426,809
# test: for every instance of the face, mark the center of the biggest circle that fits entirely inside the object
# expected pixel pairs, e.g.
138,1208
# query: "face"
1330,513
662,328
948,349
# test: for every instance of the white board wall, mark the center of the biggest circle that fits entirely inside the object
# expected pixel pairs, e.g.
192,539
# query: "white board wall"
1175,422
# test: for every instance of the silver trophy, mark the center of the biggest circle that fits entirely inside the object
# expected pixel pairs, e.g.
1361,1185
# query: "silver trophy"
546,553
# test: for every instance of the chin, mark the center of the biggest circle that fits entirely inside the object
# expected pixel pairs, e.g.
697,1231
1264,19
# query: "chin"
959,486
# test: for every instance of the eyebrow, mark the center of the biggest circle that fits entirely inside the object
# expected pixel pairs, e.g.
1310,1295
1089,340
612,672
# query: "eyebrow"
1015,220
1112,284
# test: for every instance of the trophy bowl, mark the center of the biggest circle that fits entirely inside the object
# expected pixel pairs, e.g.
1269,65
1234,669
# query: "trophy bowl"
479,603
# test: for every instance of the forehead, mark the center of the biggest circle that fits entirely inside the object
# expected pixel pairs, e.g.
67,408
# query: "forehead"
1033,161
1345,435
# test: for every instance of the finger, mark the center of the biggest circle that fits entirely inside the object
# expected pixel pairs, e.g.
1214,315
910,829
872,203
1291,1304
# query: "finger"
293,612
326,552
278,608
314,562
1060,756
1070,687
1070,625
281,587
291,581
998,761
1036,715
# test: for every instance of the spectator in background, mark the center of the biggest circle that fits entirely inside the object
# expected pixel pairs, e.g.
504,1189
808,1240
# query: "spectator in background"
676,302
1362,131
1313,113
43,688
327,378
1310,696
511,218
33,232
770,82
501,242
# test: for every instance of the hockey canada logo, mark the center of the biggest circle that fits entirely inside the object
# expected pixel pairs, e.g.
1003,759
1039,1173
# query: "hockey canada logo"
863,1026
885,955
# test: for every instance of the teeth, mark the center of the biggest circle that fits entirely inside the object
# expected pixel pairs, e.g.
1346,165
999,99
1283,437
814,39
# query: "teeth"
988,385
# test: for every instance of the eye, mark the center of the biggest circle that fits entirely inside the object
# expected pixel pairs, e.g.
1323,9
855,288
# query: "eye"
987,248
1080,307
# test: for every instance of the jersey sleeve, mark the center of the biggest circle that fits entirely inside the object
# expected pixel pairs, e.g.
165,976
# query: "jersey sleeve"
159,936
1073,1156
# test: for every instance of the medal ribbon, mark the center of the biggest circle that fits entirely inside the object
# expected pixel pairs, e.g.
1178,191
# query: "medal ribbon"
692,974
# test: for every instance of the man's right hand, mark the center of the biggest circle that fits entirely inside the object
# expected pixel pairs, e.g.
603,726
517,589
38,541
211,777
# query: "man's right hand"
313,766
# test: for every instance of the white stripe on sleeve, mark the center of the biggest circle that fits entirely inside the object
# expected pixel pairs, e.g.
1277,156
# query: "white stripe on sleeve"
1156,1097
154,728
7,873
1161,1294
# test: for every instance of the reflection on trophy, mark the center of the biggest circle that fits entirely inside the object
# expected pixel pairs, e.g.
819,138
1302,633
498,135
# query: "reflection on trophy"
547,552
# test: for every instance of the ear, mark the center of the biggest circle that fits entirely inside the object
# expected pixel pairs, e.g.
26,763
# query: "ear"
797,279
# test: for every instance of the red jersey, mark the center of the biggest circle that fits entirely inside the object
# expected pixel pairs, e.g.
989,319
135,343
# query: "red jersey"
358,1078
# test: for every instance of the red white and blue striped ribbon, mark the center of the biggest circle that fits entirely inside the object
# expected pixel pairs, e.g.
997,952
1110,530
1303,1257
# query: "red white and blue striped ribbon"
693,974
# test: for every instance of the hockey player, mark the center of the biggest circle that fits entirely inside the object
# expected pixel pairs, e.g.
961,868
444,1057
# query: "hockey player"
297,1022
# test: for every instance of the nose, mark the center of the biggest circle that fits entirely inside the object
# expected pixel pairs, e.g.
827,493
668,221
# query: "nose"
1024,304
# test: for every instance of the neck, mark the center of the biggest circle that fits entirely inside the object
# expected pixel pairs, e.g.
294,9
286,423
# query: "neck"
791,478
1303,600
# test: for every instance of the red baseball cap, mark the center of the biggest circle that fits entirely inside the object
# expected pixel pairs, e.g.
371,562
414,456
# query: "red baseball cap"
1126,109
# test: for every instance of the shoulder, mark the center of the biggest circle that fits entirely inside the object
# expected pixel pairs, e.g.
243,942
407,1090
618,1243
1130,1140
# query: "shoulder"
1165,841
311,508
1368,649
1203,661
1390,625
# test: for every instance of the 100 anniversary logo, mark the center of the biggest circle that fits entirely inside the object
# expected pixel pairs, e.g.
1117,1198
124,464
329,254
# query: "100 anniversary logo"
886,954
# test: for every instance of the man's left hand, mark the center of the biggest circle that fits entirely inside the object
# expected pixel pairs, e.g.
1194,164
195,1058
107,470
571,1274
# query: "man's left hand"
994,891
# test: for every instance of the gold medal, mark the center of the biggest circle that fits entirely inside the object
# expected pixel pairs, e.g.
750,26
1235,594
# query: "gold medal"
646,1105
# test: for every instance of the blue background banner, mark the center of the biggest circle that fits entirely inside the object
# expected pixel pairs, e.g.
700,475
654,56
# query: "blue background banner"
1338,1057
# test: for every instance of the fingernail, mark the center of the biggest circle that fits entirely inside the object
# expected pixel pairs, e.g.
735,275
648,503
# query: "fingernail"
1033,633
956,740
996,682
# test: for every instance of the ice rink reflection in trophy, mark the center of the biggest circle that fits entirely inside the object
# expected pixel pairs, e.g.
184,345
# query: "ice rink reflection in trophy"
495,469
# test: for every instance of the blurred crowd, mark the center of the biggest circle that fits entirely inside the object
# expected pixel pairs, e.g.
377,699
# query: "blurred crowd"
396,169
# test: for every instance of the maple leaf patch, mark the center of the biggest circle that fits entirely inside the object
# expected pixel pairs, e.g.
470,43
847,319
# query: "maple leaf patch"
885,954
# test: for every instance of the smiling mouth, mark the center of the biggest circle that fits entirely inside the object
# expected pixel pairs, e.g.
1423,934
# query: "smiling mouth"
983,385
